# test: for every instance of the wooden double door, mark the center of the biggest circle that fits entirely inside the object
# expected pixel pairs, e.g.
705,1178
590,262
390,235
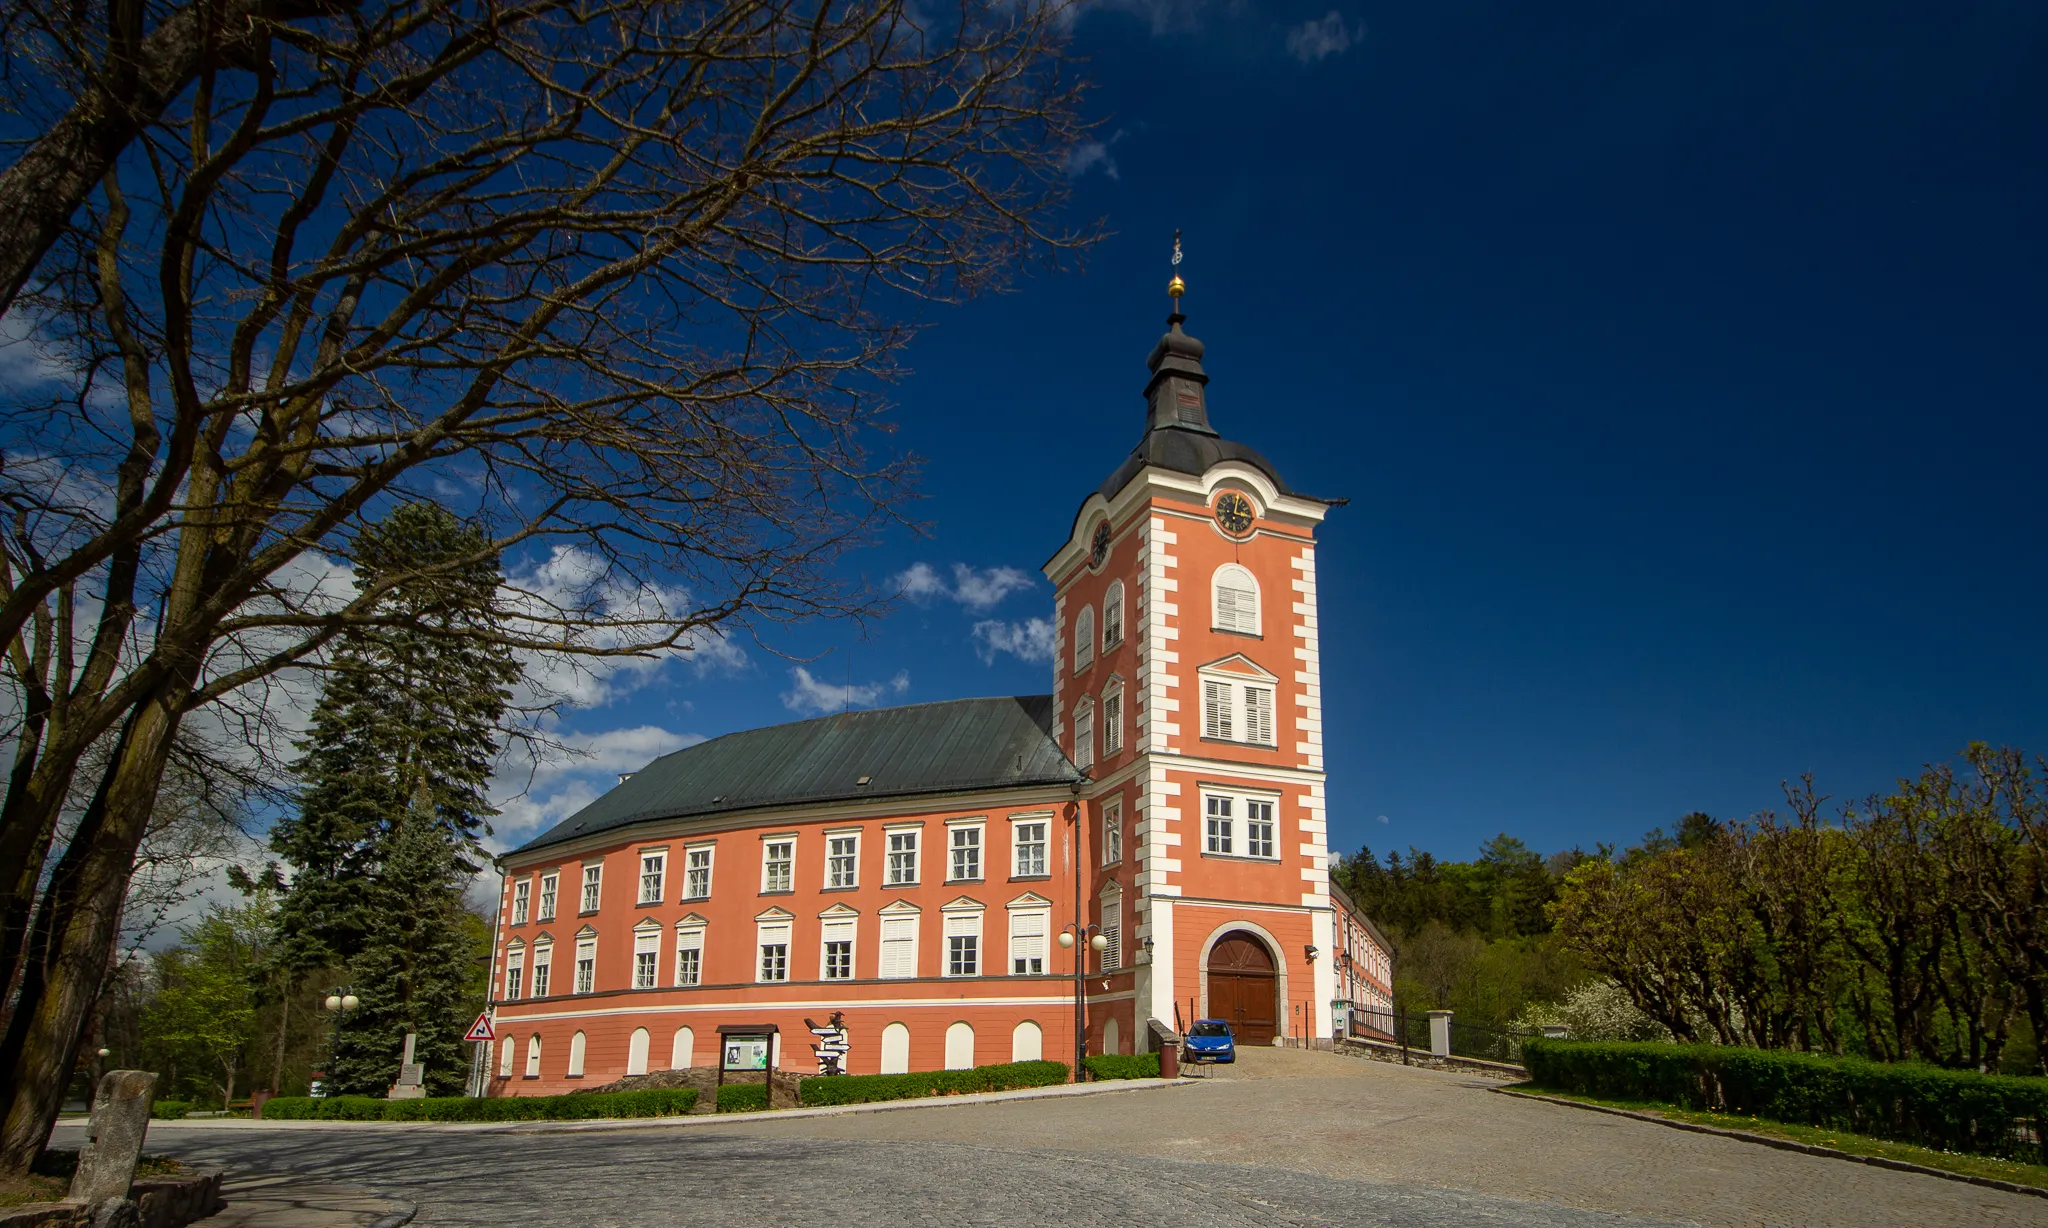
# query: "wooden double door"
1244,989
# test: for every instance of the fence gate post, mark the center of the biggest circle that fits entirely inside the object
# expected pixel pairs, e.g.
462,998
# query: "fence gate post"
1440,1033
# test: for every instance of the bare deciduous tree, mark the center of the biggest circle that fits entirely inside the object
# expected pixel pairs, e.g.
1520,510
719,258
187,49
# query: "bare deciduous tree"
622,277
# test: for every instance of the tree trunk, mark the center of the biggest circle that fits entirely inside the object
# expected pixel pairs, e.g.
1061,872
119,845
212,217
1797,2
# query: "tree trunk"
74,936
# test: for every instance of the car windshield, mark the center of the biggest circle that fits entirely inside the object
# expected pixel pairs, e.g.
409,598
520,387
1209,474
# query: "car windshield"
1210,1029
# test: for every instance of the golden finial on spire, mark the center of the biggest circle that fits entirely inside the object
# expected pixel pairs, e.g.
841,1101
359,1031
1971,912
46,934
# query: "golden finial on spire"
1176,287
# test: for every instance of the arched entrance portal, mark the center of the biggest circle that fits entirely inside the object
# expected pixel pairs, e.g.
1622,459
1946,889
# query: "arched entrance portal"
1243,988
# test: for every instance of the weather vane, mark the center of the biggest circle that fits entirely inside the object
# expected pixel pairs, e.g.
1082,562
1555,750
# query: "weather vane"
1176,287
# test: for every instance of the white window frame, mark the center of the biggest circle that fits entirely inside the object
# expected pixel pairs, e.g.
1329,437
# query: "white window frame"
1030,912
1112,717
838,925
964,919
1017,865
1112,831
979,844
1111,926
771,883
543,970
515,971
691,852
653,875
1254,821
646,955
1239,709
522,899
1231,614
591,892
1237,825
772,929
833,859
586,963
1219,824
1113,615
893,866
900,926
550,892
1084,638
689,941
1084,734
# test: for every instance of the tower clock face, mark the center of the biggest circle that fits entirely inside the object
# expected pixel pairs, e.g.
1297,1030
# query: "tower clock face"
1234,513
1099,549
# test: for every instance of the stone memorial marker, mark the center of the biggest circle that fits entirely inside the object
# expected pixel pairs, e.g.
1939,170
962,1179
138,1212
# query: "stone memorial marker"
113,1137
412,1076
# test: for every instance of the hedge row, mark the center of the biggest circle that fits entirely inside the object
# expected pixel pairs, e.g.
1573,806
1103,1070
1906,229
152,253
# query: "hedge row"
573,1107
742,1097
1123,1065
865,1089
1950,1110
170,1110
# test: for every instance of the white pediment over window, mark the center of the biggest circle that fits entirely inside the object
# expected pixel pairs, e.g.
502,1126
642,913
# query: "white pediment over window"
693,921
900,908
774,914
1030,899
1240,664
587,932
964,904
646,925
840,912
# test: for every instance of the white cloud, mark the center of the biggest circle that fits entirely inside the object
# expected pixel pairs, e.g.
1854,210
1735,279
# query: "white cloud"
1029,640
978,590
1314,40
814,697
1088,155
535,793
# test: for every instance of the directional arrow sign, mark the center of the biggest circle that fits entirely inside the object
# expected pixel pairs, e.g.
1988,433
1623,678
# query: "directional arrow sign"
481,1029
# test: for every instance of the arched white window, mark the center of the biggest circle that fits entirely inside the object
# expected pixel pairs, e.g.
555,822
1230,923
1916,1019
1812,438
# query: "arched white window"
506,1052
1113,717
683,1050
1111,1038
636,1052
1027,1042
1234,600
1084,638
533,1056
576,1047
1084,734
1113,615
895,1049
960,1047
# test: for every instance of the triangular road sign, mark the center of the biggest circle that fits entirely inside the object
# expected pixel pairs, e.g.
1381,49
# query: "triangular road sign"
481,1029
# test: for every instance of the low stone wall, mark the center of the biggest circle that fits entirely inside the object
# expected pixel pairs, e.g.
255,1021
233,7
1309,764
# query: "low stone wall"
159,1202
1379,1051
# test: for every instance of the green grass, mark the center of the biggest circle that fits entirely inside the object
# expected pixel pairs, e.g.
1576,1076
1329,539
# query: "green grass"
1835,1140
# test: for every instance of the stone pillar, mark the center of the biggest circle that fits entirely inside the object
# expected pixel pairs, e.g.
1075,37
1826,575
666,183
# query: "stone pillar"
1440,1033
113,1138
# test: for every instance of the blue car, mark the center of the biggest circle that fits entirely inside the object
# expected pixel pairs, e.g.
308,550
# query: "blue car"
1210,1040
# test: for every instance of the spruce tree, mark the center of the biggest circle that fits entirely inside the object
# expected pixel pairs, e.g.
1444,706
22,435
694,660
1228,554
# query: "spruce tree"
392,808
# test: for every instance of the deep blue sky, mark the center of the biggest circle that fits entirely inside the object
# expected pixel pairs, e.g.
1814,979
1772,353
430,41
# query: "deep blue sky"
1685,368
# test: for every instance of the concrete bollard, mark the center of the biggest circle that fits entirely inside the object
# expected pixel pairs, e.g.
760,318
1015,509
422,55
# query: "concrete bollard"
113,1138
1440,1033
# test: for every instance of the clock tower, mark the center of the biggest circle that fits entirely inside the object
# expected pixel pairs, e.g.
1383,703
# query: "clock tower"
1187,684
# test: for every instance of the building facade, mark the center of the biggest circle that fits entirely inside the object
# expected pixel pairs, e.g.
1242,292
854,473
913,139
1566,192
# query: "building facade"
913,868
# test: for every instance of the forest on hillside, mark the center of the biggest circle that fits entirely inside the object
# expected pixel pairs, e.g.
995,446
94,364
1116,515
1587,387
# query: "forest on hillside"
1908,926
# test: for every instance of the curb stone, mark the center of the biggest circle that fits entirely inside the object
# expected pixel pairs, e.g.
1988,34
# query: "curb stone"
1785,1144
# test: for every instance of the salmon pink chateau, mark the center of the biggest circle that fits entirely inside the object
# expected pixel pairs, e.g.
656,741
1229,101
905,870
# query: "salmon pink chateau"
914,868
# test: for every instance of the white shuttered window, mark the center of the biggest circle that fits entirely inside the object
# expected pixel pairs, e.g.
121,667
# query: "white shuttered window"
899,947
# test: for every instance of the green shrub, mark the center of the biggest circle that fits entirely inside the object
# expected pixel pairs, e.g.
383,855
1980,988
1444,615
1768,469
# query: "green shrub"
576,1107
866,1089
1123,1065
743,1097
1949,1110
170,1110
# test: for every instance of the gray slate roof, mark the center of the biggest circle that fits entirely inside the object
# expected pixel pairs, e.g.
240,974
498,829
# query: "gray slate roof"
953,746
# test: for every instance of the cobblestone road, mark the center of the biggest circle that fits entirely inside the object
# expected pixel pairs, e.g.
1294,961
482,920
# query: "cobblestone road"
1289,1139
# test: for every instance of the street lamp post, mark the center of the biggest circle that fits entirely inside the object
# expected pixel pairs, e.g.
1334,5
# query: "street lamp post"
338,1003
1090,937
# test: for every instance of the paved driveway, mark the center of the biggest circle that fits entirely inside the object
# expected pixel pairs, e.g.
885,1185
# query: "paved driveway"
1289,1138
